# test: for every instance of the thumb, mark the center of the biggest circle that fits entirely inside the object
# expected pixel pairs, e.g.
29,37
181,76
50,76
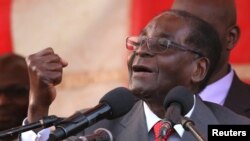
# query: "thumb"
64,62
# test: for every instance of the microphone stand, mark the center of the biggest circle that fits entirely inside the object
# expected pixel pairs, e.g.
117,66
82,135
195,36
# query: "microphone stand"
44,123
189,125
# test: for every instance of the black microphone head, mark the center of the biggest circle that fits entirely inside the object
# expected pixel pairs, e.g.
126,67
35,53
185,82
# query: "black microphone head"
182,96
121,100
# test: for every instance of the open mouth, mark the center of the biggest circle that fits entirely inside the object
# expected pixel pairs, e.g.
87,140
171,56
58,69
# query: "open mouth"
138,68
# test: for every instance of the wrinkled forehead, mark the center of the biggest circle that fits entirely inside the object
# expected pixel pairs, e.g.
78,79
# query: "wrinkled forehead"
169,25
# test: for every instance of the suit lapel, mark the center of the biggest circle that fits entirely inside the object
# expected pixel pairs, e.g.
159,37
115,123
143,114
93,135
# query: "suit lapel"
239,91
134,125
202,116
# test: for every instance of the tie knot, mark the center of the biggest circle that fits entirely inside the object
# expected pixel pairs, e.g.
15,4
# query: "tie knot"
162,130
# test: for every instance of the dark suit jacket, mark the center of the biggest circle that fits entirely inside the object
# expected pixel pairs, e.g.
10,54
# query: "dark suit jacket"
238,98
132,126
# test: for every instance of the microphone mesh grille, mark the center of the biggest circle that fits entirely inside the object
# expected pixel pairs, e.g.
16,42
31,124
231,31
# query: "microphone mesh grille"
182,96
121,100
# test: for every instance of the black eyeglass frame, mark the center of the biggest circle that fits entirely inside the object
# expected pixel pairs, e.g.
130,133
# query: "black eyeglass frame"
164,45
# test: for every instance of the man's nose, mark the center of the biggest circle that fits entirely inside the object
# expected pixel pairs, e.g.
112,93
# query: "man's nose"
143,51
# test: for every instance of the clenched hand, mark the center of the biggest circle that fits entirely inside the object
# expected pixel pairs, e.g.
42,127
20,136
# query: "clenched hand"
45,72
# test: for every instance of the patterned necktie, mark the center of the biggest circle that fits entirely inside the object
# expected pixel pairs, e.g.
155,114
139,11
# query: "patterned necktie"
162,130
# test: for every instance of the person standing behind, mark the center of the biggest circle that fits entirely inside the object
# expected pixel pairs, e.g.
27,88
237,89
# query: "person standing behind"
224,87
14,91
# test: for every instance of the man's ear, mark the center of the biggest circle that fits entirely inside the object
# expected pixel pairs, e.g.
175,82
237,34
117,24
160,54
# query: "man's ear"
233,35
200,70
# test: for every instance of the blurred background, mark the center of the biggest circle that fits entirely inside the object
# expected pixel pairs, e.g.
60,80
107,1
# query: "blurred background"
90,35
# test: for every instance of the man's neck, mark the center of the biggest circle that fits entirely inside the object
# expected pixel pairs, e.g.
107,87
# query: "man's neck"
156,109
219,72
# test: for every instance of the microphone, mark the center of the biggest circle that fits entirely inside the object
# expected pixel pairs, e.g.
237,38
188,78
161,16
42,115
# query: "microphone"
114,104
100,134
178,102
44,123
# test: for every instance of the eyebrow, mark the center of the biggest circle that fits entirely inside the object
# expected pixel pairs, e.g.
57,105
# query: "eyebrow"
166,35
161,35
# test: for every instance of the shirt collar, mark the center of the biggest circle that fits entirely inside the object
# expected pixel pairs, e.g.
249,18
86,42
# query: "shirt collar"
152,119
217,91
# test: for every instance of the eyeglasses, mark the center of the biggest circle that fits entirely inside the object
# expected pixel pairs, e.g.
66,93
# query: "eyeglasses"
155,45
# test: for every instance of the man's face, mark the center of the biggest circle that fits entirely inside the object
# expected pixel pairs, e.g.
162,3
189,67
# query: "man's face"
14,89
152,75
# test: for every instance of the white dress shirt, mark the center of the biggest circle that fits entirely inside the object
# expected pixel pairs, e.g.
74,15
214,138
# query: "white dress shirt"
218,91
42,135
152,119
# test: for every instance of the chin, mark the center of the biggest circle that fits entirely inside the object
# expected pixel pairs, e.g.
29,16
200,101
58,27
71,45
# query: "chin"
141,92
